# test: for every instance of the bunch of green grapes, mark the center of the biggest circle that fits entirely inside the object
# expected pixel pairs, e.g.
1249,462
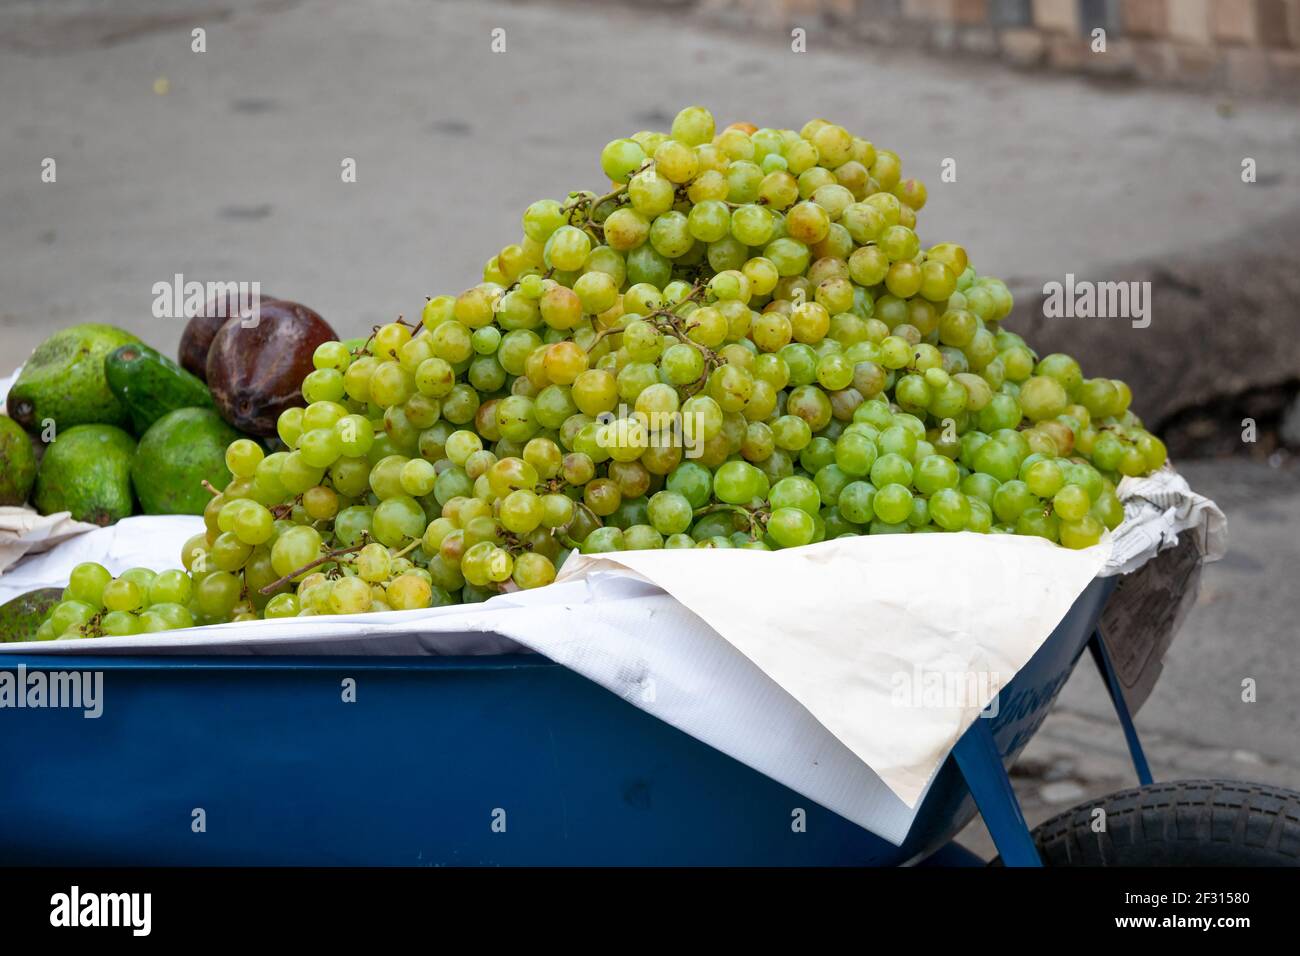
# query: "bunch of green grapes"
742,343
139,601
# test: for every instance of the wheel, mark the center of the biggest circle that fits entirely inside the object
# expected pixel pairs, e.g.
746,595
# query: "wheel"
1185,823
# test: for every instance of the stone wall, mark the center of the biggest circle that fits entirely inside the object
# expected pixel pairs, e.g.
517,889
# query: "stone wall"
1240,46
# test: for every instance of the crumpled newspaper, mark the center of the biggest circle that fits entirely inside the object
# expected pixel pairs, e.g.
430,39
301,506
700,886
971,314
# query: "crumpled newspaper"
1157,509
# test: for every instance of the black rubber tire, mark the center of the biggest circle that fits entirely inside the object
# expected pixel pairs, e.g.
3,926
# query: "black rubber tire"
1185,823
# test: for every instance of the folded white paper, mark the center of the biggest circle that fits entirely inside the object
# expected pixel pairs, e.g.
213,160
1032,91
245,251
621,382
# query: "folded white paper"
24,531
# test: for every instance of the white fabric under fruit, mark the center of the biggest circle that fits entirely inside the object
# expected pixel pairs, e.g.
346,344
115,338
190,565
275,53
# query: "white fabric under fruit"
788,661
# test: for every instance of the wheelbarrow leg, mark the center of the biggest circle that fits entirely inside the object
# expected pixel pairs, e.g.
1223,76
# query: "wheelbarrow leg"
1102,659
978,759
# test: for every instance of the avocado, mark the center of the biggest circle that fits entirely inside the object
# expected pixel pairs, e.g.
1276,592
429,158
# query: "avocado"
150,385
17,463
177,454
87,471
20,617
64,380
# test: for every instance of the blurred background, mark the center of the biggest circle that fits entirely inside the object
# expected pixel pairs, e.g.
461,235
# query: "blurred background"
1165,149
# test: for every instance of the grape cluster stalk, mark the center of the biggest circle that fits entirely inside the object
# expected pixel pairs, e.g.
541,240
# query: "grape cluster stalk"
741,343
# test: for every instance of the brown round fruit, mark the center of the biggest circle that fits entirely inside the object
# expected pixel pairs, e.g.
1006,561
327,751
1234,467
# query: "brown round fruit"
255,373
199,332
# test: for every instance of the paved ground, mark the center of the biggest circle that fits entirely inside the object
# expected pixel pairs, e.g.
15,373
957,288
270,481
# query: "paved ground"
225,165
234,173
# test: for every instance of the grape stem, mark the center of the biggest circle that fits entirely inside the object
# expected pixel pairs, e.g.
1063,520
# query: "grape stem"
588,204
208,487
496,304
327,556
408,548
282,511
756,517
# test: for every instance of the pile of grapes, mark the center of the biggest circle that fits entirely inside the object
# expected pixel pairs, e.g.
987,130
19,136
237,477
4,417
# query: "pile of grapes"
743,343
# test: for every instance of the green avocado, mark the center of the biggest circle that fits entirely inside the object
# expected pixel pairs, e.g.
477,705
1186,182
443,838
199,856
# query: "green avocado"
177,454
150,385
17,463
20,617
64,380
87,471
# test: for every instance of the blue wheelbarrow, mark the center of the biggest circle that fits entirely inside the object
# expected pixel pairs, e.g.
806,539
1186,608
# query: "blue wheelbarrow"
511,760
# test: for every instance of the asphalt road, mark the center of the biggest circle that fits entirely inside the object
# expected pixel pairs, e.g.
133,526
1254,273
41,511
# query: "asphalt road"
234,173
226,165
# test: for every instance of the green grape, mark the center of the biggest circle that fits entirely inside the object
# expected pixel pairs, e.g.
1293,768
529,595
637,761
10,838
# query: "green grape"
350,596
1042,398
934,473
243,456
1107,509
533,571
1038,522
282,605
997,459
1044,478
980,487
118,623
151,622
621,158
297,474
670,512
521,511
323,385
87,581
289,426
398,519
332,355
892,503
796,492
1083,533
373,563
123,594
856,502
174,614
737,482
950,509
417,477
71,615
1071,503
642,537
170,587
217,594
228,552
856,454
791,527
981,516
141,577
253,524
294,549
557,510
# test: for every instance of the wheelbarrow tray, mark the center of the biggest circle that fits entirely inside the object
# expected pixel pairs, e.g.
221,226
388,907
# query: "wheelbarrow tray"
509,760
